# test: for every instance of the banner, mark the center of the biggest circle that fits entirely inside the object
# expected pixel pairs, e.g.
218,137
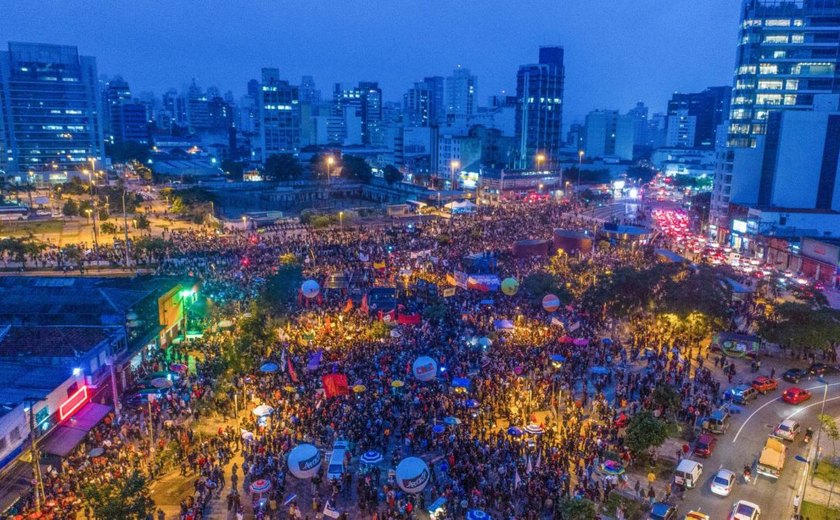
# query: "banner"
379,265
335,385
448,292
315,360
483,282
292,372
409,319
460,278
388,317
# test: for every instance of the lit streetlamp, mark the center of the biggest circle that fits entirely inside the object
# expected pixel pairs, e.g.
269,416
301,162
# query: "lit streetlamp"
341,220
540,159
454,164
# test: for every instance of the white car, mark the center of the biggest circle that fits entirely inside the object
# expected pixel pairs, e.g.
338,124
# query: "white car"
743,510
787,430
722,482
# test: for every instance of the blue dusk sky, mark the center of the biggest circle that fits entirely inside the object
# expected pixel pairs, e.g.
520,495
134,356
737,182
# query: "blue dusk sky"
617,51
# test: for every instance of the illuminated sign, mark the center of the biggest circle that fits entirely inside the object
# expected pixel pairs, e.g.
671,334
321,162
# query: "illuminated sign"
73,403
739,226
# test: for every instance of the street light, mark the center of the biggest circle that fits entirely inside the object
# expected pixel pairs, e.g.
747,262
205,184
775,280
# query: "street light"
341,220
330,162
454,164
540,158
580,165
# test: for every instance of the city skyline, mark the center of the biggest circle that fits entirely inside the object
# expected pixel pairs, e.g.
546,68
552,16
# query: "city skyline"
677,47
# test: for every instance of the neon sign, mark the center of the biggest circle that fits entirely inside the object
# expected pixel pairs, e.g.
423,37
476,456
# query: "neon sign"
73,403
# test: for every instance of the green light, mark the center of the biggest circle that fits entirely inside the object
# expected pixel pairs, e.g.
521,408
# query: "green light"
186,293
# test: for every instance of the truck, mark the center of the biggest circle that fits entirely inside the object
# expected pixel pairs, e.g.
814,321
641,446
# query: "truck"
772,458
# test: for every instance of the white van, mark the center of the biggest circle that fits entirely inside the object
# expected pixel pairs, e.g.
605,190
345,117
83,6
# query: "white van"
688,473
336,467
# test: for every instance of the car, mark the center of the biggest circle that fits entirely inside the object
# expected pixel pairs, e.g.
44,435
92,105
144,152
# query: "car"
820,369
742,394
795,395
787,430
764,384
794,375
662,511
743,510
722,482
705,445
696,515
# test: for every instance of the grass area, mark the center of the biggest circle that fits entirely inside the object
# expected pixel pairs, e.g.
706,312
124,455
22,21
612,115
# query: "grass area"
817,512
24,229
828,472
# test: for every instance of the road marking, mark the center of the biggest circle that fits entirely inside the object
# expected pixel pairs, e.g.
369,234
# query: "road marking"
779,399
810,405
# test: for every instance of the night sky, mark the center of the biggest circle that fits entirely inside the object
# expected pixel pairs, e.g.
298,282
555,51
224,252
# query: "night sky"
617,51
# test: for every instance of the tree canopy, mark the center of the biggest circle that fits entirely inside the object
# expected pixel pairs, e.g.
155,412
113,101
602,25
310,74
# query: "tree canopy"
801,325
354,167
282,167
392,174
120,499
644,432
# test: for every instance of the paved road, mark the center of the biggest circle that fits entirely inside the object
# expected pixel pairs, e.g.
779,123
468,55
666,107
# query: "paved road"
742,445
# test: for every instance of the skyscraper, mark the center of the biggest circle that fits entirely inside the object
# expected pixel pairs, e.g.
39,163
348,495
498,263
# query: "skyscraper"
609,134
50,110
279,115
709,109
417,105
198,108
437,103
357,115
460,93
125,120
539,109
786,61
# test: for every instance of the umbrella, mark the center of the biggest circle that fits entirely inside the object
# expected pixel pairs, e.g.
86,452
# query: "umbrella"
96,452
477,514
513,431
612,467
485,341
396,383
607,341
451,421
161,382
359,388
371,457
461,382
558,358
269,368
438,428
599,370
260,486
247,436
534,429
225,324
262,410
580,342
178,367
471,403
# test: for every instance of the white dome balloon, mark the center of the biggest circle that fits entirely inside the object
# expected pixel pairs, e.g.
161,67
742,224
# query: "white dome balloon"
304,461
424,368
310,288
412,475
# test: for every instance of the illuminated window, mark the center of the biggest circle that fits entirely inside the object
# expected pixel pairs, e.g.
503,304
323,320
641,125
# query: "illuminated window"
777,23
746,69
813,69
798,22
790,99
792,84
768,68
741,113
768,99
776,38
779,54
797,38
761,115
770,84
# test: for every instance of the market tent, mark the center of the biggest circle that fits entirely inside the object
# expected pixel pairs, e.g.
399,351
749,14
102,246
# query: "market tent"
66,437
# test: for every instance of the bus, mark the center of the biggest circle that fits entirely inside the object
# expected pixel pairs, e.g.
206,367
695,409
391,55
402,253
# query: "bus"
13,212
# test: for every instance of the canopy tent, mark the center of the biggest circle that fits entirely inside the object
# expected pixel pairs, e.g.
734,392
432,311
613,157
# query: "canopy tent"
460,207
66,437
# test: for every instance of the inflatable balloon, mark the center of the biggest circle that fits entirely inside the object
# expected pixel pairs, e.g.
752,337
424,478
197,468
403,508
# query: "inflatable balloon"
424,368
510,286
412,475
550,302
304,461
310,288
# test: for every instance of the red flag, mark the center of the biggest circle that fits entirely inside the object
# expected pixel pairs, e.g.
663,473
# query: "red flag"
409,319
348,306
292,372
327,324
364,305
388,316
335,385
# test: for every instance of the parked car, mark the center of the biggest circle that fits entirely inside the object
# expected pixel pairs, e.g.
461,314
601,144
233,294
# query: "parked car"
764,384
794,375
723,482
705,445
787,430
743,510
795,395
821,369
662,511
742,394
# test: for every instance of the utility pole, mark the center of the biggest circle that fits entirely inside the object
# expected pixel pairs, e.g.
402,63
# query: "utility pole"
36,457
125,226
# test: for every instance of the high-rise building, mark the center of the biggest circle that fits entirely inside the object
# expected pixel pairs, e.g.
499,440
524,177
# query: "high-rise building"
126,120
50,110
709,109
681,129
116,93
174,111
220,114
460,93
309,94
609,134
279,115
417,105
198,108
437,103
539,110
357,115
786,61
639,113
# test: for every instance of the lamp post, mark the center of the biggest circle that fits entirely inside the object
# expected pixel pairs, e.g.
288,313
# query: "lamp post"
580,165
341,220
454,164
35,455
540,159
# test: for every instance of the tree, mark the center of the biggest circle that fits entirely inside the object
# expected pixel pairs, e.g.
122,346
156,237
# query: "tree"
233,170
128,152
801,326
21,249
109,228
392,174
666,398
282,167
354,167
280,290
577,509
103,214
536,285
120,499
143,221
829,425
644,432
70,208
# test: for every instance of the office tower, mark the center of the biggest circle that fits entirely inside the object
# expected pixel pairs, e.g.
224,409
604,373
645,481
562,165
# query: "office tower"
655,133
357,115
709,109
539,111
609,134
279,110
50,110
220,114
308,93
371,114
126,120
460,93
174,110
639,113
417,105
680,129
437,103
198,108
787,59
575,136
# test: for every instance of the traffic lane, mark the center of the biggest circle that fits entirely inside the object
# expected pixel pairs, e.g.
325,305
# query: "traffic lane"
775,496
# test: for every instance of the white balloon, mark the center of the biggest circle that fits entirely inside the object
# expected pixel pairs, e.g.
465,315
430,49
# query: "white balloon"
304,461
310,288
412,475
424,368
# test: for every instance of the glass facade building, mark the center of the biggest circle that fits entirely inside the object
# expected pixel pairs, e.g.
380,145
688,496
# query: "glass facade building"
50,111
539,109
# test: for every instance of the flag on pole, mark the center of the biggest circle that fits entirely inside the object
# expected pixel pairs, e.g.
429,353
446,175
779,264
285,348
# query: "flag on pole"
348,306
530,468
364,305
539,460
516,480
292,372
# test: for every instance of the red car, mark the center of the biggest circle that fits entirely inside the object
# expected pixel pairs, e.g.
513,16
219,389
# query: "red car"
705,445
764,384
795,395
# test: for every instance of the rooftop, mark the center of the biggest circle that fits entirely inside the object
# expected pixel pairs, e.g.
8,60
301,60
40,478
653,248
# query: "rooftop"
56,341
